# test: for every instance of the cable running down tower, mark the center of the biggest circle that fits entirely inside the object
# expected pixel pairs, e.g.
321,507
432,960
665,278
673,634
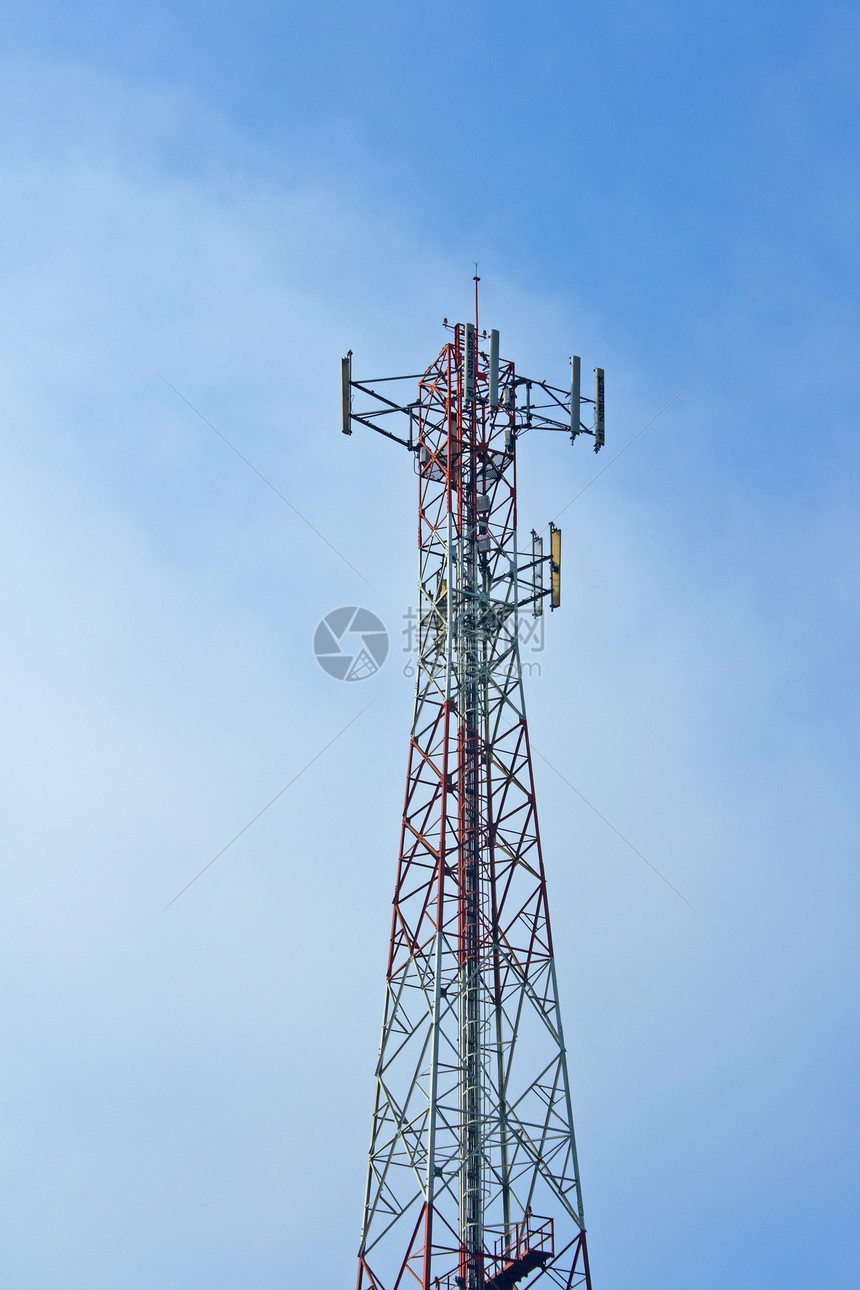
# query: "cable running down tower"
473,1181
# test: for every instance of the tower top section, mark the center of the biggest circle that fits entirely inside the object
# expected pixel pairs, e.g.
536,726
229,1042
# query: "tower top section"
483,382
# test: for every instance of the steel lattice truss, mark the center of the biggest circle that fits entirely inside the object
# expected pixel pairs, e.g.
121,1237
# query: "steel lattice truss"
473,1179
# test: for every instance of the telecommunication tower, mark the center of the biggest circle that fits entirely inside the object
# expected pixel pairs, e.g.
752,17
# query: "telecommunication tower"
473,1181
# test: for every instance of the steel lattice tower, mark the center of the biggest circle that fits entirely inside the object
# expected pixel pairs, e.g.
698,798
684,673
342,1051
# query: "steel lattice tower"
473,1181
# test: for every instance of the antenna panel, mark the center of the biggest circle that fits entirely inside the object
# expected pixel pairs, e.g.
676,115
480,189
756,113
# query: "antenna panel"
555,566
346,392
575,385
494,369
537,574
599,423
469,362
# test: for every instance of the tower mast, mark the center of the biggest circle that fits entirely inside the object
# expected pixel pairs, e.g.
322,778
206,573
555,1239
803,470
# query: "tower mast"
473,1181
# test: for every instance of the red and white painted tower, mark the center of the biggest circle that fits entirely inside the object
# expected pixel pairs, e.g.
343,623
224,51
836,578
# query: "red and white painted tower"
473,1181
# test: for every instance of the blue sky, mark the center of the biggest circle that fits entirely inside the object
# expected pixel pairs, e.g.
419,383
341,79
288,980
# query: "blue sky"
227,198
